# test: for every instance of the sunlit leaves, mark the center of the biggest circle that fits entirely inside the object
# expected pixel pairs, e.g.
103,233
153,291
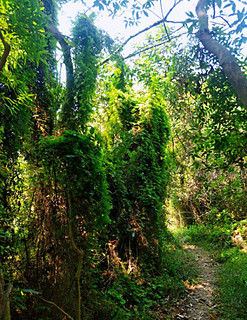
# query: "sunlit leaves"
112,6
23,23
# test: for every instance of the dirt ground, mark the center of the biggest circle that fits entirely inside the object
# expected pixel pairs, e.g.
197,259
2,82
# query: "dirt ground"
199,302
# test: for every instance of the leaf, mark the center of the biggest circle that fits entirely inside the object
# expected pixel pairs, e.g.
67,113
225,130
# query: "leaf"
233,6
240,15
227,5
219,3
92,130
70,156
145,12
30,291
190,14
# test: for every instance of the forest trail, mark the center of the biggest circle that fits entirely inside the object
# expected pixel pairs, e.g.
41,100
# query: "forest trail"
199,302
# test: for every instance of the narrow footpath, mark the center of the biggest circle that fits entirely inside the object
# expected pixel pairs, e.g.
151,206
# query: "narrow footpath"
199,302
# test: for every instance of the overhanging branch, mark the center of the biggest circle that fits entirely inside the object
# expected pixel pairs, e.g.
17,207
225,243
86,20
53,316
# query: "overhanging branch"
155,24
155,45
226,59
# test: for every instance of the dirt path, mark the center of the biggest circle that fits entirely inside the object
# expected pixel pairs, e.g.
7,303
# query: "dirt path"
199,304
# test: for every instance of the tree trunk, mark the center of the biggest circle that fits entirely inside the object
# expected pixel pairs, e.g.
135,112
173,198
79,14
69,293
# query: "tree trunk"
5,53
4,298
80,254
68,112
226,59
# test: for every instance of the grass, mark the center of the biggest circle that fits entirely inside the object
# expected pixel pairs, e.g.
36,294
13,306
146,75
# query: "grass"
233,284
232,262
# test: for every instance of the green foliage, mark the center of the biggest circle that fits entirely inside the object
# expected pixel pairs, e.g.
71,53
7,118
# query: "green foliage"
75,162
144,295
3,161
137,132
222,139
87,43
219,236
208,130
5,234
139,299
19,19
233,288
50,8
78,206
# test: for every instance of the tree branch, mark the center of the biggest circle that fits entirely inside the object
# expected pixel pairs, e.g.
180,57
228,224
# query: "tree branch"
162,13
157,23
66,53
55,305
202,14
153,46
5,53
226,59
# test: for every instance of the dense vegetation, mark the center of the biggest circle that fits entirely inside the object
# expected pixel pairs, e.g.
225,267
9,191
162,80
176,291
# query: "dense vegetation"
92,172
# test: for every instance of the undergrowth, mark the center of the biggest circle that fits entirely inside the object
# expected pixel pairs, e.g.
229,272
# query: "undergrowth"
226,243
148,295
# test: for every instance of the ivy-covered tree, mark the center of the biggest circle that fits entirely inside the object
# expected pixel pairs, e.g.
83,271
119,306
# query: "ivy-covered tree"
136,131
38,208
19,19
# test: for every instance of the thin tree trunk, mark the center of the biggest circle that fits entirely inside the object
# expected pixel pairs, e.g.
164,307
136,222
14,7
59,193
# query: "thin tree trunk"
80,254
4,298
5,53
226,59
69,104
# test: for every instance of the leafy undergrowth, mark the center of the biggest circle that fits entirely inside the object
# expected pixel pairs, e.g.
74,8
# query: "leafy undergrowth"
228,245
148,295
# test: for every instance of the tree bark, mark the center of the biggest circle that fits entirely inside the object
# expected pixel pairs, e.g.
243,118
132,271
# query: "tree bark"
5,53
66,53
226,59
80,254
68,107
4,298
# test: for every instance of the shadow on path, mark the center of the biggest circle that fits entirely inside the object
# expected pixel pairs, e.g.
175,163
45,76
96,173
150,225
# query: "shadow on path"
199,302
